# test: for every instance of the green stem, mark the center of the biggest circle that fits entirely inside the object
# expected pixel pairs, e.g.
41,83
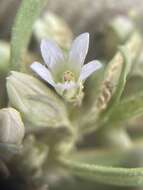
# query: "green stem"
104,174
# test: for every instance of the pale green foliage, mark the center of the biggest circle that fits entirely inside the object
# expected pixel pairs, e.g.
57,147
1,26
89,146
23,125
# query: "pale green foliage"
11,126
55,127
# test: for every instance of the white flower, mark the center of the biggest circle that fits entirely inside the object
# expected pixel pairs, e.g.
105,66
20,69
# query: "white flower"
66,73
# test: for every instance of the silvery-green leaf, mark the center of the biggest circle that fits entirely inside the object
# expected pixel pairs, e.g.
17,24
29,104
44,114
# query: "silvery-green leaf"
120,85
121,64
26,16
37,103
115,77
129,57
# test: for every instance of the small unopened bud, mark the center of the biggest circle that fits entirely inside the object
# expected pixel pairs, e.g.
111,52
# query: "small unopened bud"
11,126
51,26
123,23
37,103
117,32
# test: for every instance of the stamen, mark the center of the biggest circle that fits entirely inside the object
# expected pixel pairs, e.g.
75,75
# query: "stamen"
68,76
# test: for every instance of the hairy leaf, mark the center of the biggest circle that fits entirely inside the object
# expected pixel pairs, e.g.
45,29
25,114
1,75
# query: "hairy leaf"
114,81
118,70
21,33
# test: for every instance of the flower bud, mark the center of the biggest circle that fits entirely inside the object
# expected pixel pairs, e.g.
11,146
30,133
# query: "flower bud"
11,126
37,103
52,26
125,23
117,32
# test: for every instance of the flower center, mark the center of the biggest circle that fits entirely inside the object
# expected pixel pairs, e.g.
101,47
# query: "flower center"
68,76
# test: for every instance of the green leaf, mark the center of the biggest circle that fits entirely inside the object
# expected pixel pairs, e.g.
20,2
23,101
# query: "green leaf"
129,59
120,67
120,85
113,83
21,33
37,103
128,108
104,174
122,78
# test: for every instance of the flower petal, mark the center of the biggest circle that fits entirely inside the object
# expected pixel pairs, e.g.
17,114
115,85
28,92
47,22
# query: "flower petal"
79,50
61,87
51,53
89,68
43,72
